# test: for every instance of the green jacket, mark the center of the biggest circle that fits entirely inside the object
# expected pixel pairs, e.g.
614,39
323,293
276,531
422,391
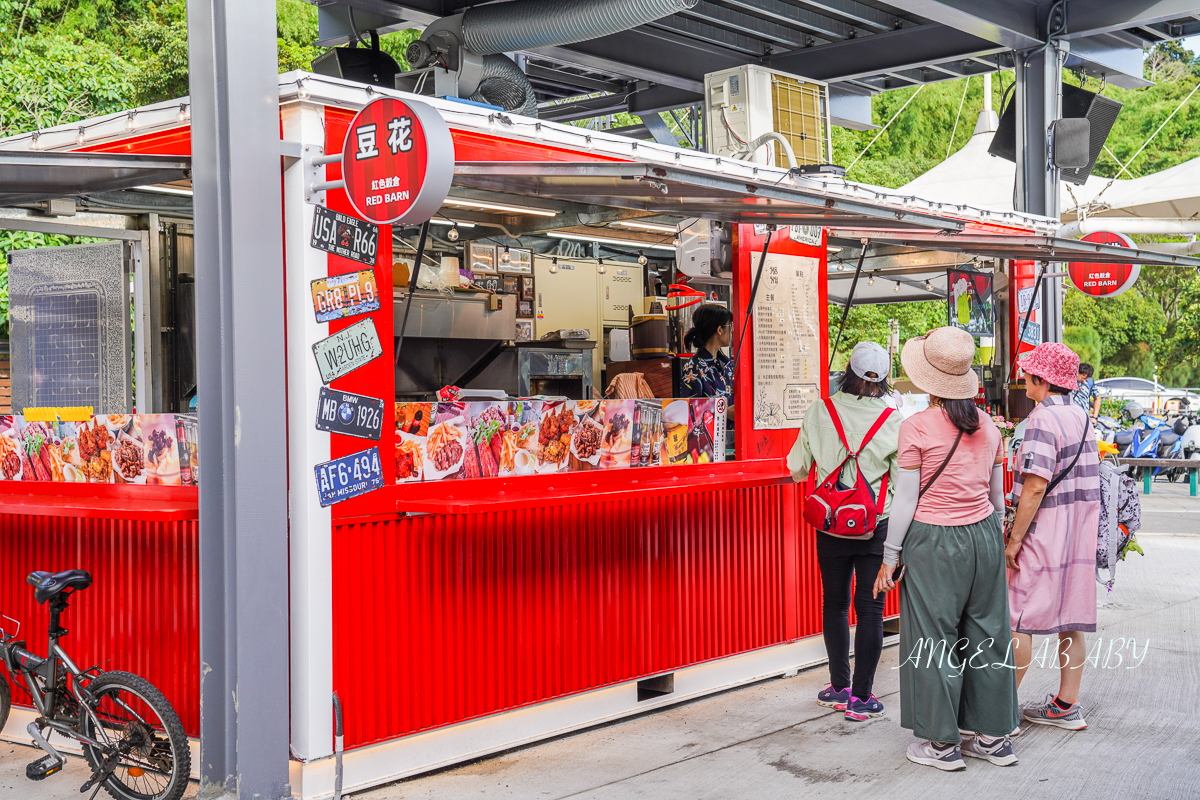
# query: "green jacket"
819,440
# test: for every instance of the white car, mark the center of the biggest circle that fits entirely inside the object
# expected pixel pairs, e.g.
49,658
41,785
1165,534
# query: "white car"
1147,392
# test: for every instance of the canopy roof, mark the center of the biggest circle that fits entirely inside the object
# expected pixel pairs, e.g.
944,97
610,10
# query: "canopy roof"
31,176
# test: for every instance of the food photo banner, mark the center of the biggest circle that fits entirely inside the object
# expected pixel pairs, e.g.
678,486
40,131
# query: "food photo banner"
138,449
546,435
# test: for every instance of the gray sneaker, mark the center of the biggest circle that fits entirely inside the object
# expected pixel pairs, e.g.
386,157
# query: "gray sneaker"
1048,713
948,758
998,751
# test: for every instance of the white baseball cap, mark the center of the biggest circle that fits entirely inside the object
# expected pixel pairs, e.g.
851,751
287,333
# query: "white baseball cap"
870,357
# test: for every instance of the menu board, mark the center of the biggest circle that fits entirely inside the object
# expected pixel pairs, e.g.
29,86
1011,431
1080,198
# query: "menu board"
787,343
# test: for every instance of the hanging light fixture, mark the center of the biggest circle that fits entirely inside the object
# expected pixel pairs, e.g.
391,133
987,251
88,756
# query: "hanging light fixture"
553,265
675,242
184,113
841,267
896,288
301,92
452,234
81,137
131,120
871,280
642,258
35,142
928,286
600,266
505,257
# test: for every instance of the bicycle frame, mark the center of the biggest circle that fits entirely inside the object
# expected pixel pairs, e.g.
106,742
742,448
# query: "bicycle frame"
26,664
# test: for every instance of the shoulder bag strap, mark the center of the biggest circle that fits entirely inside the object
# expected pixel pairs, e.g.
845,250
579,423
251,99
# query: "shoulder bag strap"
942,468
837,424
1060,476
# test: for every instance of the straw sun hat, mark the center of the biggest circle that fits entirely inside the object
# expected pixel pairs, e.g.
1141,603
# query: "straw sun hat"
940,363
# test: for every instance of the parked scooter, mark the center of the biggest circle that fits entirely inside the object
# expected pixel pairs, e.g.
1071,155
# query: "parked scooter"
1142,440
1187,447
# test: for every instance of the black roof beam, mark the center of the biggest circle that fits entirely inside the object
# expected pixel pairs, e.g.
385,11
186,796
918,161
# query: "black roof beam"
786,14
1012,24
894,51
708,33
857,13
754,27
1089,19
564,78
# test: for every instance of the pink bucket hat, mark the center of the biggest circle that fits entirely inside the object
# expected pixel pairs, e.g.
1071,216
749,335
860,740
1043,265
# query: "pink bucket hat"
1053,362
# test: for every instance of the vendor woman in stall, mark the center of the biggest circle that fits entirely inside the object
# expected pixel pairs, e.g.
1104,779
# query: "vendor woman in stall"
709,373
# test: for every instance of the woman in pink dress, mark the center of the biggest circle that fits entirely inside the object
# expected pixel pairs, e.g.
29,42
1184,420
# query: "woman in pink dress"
1051,553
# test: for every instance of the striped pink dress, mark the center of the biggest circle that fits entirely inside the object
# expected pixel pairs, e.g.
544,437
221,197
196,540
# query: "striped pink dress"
1055,588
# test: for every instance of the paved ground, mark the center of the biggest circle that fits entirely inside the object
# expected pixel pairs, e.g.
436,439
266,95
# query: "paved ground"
1169,509
772,741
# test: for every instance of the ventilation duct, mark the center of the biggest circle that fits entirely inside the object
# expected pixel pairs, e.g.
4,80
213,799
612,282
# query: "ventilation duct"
464,52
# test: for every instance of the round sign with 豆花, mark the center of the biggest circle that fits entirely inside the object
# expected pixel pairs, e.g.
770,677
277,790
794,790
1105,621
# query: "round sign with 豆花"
1104,280
397,161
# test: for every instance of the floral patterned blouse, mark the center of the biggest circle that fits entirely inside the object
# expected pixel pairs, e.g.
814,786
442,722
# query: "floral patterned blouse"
706,376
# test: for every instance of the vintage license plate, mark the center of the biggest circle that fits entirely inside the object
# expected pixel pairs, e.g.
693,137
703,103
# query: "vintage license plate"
349,476
347,350
345,236
349,414
347,295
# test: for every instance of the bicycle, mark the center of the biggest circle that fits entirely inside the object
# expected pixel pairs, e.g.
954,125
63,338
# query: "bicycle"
131,736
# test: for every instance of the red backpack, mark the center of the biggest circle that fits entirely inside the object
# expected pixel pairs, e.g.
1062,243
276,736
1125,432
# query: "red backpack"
845,512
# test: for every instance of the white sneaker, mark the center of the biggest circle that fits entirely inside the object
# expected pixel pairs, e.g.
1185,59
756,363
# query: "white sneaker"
965,733
948,758
998,751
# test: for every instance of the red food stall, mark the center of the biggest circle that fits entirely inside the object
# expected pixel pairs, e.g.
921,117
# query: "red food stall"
454,618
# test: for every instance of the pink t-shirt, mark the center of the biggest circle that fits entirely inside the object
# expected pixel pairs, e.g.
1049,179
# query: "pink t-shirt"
960,494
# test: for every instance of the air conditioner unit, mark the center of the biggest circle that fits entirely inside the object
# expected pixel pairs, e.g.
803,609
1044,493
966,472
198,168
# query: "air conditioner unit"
743,103
704,251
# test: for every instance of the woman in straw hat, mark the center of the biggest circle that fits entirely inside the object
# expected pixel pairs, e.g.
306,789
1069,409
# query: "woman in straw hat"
1052,551
946,529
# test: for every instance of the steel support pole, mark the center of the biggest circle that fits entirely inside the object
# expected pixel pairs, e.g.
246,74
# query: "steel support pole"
242,400
1039,103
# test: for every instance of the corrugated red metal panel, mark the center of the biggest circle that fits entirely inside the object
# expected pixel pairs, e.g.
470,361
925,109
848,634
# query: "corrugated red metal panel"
439,619
141,613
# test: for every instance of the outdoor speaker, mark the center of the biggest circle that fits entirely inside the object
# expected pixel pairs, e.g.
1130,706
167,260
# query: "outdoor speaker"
360,64
1100,112
1072,142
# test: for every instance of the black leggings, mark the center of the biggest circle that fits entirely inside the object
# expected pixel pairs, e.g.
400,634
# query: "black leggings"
836,571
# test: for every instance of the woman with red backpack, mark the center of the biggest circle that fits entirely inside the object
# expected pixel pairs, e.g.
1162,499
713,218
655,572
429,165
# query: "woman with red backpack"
849,498
956,677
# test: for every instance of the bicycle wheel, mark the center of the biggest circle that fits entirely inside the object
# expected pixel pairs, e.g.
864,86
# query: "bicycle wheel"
5,699
153,761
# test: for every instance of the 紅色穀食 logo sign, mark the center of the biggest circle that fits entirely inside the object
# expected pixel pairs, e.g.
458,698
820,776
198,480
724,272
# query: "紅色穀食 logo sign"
397,161
1104,280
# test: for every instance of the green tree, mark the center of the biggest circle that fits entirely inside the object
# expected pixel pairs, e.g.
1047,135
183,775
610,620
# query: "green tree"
1132,326
869,323
1085,341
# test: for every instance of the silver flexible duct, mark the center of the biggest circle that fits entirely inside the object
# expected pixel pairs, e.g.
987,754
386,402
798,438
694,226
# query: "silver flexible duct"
503,84
525,24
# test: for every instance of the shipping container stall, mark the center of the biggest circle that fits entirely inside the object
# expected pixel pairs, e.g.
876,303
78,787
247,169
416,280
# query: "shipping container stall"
547,548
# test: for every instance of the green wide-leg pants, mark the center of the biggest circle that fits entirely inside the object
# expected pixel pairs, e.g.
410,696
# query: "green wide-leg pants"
956,668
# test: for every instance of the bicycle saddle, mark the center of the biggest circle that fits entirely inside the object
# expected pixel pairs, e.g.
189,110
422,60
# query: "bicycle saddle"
48,585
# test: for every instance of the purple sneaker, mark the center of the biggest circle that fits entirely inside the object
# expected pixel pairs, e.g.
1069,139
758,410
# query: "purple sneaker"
832,698
861,710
